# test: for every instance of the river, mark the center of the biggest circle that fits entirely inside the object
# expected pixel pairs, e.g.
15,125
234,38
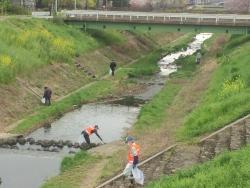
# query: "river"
29,169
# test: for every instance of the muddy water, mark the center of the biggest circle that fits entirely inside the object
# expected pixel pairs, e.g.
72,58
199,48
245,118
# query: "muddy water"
112,120
29,169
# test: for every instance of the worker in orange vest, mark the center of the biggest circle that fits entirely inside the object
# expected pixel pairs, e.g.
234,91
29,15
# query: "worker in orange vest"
133,157
89,131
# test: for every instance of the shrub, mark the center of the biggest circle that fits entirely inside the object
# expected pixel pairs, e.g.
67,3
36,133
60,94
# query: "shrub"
6,68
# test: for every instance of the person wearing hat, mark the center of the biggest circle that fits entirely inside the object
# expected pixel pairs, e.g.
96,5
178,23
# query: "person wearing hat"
89,131
133,156
112,67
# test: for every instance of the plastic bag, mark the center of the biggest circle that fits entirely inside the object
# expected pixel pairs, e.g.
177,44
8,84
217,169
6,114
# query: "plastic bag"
138,175
43,100
110,71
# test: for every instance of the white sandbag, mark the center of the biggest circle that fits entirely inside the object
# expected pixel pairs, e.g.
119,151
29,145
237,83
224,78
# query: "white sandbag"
110,71
80,139
138,175
43,100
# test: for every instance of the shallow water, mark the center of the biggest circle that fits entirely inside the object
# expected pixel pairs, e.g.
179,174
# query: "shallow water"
154,87
27,169
112,119
167,65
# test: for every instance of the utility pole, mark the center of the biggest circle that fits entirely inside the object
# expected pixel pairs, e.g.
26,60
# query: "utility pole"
75,5
56,4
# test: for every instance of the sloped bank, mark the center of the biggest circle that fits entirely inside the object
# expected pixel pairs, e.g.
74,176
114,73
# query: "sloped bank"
59,56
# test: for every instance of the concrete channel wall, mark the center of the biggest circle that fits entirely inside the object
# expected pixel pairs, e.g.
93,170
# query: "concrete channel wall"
176,157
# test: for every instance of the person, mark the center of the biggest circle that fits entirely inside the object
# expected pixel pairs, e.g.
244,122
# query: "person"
47,95
198,58
112,67
133,158
89,131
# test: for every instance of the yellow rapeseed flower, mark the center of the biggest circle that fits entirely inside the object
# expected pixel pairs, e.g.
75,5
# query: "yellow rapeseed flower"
5,60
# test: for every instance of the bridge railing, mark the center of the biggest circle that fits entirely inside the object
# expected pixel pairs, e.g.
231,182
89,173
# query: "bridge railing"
175,19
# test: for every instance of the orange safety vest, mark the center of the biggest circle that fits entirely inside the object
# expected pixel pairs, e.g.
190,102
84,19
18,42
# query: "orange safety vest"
130,154
90,130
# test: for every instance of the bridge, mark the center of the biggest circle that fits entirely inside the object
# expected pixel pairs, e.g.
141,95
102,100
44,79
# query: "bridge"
156,22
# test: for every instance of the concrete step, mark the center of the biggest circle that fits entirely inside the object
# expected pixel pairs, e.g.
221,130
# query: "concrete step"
247,124
223,141
207,149
238,136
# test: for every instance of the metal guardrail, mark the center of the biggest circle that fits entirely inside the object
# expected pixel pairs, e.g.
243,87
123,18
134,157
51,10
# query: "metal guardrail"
182,19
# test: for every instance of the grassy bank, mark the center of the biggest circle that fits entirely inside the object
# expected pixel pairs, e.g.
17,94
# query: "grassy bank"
227,97
228,170
44,42
47,114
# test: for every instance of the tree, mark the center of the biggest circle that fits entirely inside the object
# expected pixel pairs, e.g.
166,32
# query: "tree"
4,5
92,3
120,3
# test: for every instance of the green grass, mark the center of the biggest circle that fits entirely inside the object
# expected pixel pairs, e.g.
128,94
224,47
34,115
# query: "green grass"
107,37
29,44
152,113
188,67
229,170
72,170
227,97
146,66
71,162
